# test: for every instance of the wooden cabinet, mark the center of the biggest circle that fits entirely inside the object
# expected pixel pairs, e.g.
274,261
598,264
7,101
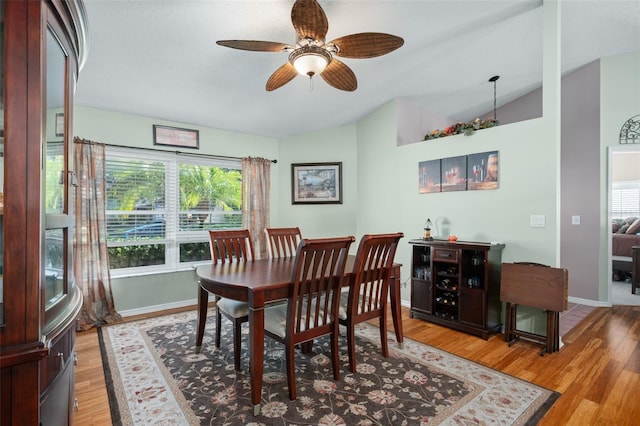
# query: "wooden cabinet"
457,284
43,45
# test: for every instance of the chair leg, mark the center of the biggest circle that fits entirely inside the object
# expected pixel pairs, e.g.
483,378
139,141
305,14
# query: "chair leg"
307,347
351,346
335,355
203,299
237,341
291,372
218,327
383,336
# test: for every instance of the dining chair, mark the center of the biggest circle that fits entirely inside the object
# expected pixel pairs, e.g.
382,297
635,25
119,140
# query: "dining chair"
282,242
368,292
231,246
312,305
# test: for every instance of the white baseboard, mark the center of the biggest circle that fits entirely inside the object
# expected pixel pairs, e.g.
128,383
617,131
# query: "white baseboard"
404,303
589,302
158,308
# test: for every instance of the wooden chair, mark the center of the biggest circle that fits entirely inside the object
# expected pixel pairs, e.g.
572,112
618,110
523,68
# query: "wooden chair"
282,242
312,305
231,246
367,295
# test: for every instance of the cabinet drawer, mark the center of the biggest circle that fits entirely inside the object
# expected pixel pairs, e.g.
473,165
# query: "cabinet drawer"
59,355
445,255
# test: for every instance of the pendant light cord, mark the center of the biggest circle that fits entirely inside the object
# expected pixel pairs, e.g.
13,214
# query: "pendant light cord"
493,80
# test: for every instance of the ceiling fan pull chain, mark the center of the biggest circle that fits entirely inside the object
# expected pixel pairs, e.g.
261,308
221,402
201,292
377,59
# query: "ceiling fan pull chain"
311,83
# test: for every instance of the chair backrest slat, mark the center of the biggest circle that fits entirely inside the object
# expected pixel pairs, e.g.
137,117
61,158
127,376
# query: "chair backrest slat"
316,279
282,242
372,272
231,246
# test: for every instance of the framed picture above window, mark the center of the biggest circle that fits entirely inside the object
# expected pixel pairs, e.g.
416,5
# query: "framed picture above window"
316,183
175,136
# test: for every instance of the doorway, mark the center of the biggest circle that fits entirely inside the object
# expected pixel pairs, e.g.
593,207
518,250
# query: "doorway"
623,204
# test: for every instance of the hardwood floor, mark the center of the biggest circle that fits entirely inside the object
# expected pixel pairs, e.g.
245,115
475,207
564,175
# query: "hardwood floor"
597,371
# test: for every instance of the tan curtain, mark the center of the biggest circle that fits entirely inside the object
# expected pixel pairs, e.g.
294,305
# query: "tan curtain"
256,181
91,260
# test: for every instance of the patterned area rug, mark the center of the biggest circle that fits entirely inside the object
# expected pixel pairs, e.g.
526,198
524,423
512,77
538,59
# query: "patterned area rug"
154,377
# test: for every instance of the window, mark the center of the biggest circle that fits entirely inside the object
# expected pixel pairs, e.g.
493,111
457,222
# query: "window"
625,199
160,207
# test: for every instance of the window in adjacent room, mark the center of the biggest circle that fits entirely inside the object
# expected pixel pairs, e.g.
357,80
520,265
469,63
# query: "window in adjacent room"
625,199
161,205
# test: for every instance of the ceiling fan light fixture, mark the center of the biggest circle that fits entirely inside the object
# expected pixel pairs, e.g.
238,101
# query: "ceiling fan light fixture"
310,60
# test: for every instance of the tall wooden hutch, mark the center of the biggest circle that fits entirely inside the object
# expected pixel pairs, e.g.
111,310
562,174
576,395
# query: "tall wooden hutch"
43,45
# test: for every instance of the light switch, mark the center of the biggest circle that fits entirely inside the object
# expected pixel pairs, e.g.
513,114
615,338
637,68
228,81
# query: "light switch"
575,220
537,221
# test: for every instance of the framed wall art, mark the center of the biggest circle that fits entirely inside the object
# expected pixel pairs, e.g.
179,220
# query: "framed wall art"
482,169
175,136
462,173
429,179
316,183
454,173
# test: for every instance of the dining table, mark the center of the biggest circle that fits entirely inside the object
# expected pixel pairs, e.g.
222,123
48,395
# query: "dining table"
259,282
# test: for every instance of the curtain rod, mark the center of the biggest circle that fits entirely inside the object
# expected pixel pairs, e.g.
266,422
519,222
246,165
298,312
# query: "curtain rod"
193,154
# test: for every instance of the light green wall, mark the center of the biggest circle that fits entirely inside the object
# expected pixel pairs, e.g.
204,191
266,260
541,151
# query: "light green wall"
137,131
317,221
380,179
387,181
146,293
389,201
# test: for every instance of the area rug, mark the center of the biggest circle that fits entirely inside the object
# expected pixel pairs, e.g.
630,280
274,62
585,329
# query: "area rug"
155,377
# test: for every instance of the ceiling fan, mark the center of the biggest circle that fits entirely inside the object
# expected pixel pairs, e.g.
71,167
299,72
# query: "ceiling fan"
312,56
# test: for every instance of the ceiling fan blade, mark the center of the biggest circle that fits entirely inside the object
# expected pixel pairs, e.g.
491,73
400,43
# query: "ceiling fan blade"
309,19
281,76
366,45
340,76
254,45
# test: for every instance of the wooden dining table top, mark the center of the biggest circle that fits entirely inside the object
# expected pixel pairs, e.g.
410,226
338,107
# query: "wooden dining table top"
260,275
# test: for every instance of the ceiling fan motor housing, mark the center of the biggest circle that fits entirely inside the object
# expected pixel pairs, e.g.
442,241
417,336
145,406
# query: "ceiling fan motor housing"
310,59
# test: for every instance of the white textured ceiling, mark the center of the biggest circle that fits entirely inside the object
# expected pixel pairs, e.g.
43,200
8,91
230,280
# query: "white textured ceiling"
158,58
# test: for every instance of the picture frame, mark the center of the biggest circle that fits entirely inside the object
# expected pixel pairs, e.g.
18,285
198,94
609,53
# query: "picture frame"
454,173
479,171
429,178
59,124
316,183
176,136
483,170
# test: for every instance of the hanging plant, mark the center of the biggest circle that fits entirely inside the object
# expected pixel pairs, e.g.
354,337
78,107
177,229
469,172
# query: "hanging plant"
467,128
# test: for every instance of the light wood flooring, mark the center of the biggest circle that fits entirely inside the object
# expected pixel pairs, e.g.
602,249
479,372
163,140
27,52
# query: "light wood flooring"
597,371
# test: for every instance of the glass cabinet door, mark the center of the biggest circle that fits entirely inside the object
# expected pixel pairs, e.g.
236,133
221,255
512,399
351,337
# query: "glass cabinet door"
56,181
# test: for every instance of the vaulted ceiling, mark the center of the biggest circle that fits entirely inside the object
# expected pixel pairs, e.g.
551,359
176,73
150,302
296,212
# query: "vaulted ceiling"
158,58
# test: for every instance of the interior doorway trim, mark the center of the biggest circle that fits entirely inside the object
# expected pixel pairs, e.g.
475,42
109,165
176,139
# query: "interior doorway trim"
612,150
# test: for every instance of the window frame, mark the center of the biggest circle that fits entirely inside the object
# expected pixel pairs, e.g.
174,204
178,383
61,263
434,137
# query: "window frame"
624,195
174,237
